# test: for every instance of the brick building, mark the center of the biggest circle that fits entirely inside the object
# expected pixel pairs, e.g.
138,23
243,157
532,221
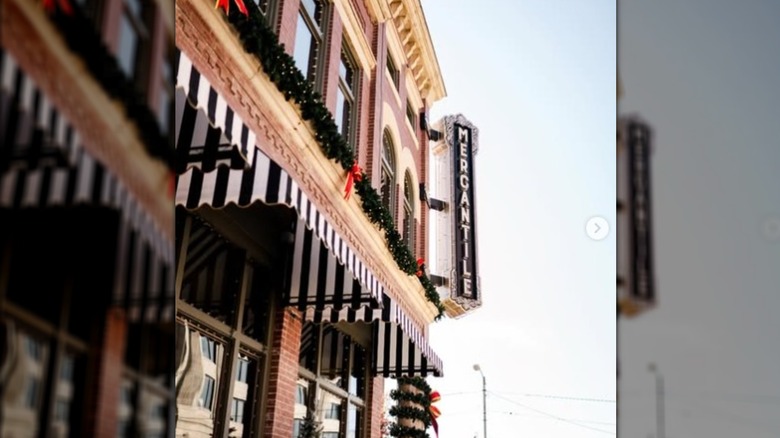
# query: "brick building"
86,224
293,299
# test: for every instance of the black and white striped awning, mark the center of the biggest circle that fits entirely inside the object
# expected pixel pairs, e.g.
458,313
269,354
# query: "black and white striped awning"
327,280
208,132
66,175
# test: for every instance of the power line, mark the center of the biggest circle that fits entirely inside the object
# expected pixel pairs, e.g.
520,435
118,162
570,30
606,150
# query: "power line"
565,420
517,414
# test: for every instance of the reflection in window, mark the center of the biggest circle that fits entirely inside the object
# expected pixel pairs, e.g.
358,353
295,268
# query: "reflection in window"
131,33
207,393
393,70
237,411
308,37
354,419
408,220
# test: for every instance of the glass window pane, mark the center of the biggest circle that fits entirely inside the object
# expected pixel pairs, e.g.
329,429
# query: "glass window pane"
354,418
330,414
341,119
128,46
303,47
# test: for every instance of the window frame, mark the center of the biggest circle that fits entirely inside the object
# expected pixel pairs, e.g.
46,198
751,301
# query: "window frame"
408,220
388,171
351,95
317,32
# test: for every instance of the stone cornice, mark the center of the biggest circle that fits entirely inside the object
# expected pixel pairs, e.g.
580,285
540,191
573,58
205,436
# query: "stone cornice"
212,45
409,21
106,132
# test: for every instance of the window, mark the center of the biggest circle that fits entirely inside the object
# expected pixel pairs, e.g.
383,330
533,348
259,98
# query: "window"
165,103
237,410
346,96
309,38
333,412
208,348
388,172
242,367
31,393
132,34
300,395
408,220
330,435
411,114
207,393
393,70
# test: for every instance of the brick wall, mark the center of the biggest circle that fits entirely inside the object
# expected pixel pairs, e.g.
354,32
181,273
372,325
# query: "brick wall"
375,408
106,375
283,373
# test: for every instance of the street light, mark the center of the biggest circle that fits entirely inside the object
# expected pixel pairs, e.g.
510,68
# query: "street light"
659,401
484,401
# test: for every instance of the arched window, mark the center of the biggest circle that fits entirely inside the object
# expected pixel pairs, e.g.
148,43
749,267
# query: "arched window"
388,172
408,223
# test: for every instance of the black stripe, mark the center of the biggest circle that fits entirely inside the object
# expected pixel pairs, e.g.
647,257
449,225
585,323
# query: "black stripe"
221,187
196,186
399,347
71,179
43,194
411,356
386,351
19,185
288,191
424,364
184,139
305,266
338,287
97,182
14,115
274,176
176,61
212,104
247,184
194,84
36,134
128,260
245,140
211,148
144,280
322,276
229,124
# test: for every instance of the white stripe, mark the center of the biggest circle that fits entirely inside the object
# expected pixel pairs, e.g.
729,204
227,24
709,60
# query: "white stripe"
59,181
6,184
84,180
185,67
311,292
26,96
261,176
282,193
235,135
234,185
220,115
43,112
32,187
203,92
183,187
330,275
9,69
209,187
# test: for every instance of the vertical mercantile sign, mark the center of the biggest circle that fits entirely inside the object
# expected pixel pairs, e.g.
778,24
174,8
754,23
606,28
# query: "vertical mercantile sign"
641,254
465,251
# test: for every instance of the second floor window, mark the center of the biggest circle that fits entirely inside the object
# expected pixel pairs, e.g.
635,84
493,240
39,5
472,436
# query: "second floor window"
388,172
346,94
133,33
309,37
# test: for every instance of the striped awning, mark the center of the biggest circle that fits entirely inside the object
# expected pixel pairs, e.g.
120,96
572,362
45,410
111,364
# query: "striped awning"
327,278
65,175
208,132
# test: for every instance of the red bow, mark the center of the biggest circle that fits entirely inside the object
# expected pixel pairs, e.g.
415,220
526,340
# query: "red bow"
225,4
64,5
435,413
353,175
420,263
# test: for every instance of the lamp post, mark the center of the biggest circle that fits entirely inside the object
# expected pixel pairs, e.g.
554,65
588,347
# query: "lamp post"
659,401
484,401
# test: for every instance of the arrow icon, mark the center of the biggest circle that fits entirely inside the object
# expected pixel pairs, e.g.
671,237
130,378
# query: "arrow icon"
597,228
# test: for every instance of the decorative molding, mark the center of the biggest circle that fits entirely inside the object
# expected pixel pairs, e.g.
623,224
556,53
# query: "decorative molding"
356,35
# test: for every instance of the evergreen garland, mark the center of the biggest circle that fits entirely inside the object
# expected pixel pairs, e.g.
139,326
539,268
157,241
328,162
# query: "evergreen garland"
258,39
422,414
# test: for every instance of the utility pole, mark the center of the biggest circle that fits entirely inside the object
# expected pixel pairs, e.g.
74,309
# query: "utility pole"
660,425
484,401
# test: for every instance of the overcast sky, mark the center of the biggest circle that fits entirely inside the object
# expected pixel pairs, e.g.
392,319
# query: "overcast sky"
538,80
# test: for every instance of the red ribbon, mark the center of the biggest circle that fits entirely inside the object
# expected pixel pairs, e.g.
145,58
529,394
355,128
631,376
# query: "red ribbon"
420,263
225,5
435,412
64,6
353,175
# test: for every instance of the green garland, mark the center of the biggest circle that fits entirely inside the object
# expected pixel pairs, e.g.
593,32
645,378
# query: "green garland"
421,399
258,39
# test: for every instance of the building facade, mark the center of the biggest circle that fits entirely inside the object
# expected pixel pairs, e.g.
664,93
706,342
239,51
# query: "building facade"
86,224
302,147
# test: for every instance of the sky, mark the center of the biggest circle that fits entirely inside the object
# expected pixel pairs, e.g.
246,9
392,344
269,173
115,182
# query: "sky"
705,79
538,79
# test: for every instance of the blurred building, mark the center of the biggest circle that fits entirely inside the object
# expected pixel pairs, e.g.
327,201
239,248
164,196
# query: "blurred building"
302,147
86,224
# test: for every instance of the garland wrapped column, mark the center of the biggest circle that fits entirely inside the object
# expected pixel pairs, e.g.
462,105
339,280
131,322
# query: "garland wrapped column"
413,408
